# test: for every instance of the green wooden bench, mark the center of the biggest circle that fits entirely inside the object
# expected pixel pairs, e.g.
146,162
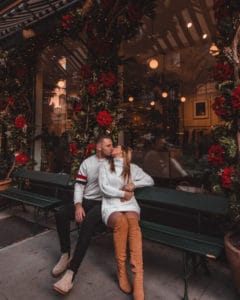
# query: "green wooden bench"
195,244
42,190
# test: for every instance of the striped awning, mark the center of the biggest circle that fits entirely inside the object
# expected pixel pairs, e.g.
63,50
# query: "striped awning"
18,15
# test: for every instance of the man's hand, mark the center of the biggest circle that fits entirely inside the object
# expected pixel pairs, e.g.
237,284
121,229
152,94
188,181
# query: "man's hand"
127,196
130,187
79,213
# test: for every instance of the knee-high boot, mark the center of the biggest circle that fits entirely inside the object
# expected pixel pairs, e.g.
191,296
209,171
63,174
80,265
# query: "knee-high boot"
120,234
135,245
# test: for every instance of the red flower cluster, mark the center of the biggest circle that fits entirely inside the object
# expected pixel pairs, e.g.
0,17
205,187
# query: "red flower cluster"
222,71
93,88
67,21
89,149
10,100
215,155
108,79
227,177
21,158
78,107
20,122
73,149
104,118
218,106
236,98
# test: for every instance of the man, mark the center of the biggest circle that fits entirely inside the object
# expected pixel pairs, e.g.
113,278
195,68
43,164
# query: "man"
86,210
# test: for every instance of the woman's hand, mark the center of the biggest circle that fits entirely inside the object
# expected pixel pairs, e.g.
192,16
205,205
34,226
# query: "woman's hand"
79,213
130,187
127,196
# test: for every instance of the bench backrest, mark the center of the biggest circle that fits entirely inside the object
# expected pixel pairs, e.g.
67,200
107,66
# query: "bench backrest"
200,202
58,179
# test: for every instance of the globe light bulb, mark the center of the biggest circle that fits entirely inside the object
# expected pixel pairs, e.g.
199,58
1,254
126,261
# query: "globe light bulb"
153,63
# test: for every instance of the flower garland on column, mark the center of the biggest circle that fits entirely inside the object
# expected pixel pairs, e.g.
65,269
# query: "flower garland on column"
16,111
224,154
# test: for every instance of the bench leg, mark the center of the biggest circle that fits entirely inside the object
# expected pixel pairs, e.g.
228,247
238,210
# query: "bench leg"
205,266
186,274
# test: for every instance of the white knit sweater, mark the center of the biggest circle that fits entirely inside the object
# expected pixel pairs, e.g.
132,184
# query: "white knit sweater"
86,185
111,184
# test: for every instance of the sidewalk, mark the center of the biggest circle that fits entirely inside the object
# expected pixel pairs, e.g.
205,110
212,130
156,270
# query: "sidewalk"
25,273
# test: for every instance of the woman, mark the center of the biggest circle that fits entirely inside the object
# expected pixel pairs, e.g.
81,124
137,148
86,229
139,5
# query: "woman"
120,211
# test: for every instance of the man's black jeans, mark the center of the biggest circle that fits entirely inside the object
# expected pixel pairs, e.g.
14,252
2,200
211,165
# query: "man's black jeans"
92,220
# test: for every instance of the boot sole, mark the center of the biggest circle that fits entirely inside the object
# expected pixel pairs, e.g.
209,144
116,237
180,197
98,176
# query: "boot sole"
56,289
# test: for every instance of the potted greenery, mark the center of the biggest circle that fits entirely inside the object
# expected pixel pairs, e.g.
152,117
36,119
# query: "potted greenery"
224,154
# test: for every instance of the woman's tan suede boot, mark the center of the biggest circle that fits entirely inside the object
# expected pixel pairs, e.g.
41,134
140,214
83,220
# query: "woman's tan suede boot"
120,234
135,245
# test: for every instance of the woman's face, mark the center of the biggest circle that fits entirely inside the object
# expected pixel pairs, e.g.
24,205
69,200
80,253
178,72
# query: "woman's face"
117,151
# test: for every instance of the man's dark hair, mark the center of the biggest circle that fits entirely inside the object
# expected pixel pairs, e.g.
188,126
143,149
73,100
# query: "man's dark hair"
101,137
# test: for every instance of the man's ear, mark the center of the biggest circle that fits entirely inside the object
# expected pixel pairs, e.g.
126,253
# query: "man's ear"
98,147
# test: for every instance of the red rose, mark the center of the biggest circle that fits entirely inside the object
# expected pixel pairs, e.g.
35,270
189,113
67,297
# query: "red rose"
21,158
215,155
90,149
104,118
10,100
108,79
222,71
93,88
20,122
67,21
78,108
218,106
73,149
226,177
236,98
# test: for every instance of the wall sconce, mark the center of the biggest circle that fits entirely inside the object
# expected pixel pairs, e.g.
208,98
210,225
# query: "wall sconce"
153,63
130,99
214,50
183,99
28,33
164,94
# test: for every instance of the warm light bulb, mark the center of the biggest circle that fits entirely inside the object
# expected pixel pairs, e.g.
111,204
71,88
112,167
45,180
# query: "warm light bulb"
153,63
214,51
152,103
164,94
130,99
183,99
189,24
204,36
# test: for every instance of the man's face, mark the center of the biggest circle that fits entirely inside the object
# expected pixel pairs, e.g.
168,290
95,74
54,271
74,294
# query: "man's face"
106,147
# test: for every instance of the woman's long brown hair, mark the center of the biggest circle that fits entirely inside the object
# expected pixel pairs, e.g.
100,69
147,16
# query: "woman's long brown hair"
126,172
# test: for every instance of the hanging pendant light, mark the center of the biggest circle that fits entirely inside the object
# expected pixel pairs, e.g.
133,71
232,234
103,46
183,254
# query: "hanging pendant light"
214,50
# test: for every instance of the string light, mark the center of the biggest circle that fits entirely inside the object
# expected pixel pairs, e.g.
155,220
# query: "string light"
153,63
214,50
183,99
130,99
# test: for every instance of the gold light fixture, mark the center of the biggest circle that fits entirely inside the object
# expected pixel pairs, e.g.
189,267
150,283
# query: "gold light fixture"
130,99
164,94
214,50
153,63
152,103
183,99
28,33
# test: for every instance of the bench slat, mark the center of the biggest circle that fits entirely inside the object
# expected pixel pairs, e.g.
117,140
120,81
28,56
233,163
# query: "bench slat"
189,241
46,177
200,202
31,198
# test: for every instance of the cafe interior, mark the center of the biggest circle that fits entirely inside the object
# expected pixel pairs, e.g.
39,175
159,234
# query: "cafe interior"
167,89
